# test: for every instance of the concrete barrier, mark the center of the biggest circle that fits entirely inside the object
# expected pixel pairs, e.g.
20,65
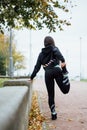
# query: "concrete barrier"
21,82
15,104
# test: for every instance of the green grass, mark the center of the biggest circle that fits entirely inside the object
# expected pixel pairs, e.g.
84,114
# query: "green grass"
85,80
2,81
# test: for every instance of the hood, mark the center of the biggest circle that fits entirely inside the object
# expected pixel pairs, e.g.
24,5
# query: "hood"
47,49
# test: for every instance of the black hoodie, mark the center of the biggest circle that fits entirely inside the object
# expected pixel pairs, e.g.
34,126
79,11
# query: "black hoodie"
48,53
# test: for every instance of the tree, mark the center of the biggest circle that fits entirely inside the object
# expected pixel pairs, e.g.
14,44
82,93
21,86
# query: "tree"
3,54
18,58
32,14
2,65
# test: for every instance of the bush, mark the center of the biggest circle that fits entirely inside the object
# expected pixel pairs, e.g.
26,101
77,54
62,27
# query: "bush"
2,81
2,65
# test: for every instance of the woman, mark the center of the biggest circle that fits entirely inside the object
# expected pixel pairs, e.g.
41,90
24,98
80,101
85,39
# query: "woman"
54,65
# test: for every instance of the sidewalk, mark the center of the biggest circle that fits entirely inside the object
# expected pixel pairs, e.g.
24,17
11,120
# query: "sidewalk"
71,108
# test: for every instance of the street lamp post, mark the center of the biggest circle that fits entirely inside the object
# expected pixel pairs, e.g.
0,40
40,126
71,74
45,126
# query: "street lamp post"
30,59
80,58
10,56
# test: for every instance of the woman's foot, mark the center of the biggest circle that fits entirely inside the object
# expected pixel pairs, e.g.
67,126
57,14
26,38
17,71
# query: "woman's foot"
54,116
66,80
53,112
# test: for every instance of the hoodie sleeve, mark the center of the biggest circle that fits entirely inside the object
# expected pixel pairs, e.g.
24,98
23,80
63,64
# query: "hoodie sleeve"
36,68
58,54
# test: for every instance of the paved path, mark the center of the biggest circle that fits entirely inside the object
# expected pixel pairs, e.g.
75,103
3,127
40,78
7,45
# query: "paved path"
71,108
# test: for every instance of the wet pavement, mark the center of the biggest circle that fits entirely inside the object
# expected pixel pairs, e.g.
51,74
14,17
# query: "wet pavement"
71,108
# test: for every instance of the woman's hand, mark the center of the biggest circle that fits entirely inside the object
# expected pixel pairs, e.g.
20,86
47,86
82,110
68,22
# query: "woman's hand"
62,64
30,80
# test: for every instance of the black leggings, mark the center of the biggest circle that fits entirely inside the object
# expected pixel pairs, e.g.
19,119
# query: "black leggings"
51,75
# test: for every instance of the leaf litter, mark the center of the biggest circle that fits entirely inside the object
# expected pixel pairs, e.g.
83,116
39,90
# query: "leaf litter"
36,118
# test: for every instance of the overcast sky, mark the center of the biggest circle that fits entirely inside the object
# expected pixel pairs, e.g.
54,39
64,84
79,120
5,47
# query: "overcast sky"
69,42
